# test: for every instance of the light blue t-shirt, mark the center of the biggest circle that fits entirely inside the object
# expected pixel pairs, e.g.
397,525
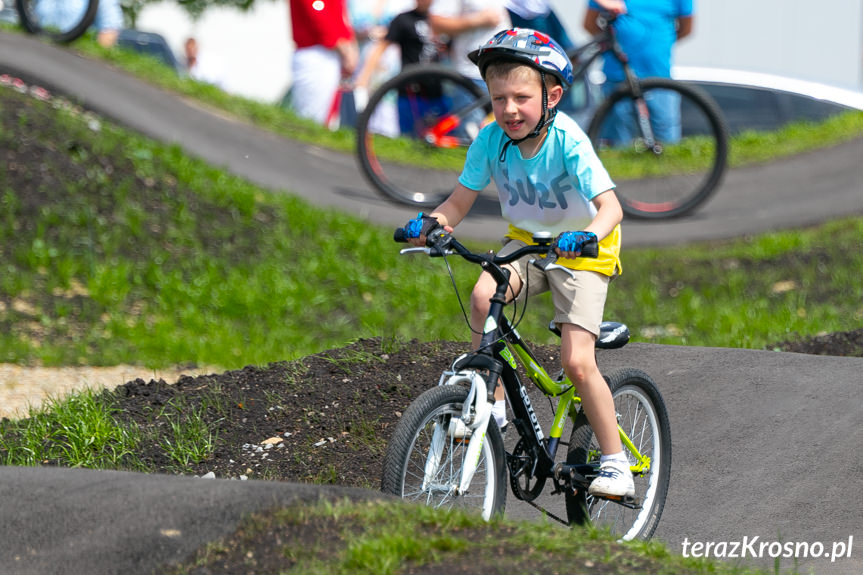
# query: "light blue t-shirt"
647,34
551,191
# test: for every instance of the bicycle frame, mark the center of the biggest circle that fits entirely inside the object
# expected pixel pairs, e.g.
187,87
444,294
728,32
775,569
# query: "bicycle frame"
501,345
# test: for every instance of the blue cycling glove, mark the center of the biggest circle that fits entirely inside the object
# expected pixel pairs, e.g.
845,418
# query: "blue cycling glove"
422,225
575,241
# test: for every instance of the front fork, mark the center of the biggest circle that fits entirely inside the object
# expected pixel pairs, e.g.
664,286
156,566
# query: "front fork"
476,413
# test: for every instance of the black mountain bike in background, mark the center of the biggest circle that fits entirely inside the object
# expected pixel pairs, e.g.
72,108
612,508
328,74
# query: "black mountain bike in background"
60,20
433,112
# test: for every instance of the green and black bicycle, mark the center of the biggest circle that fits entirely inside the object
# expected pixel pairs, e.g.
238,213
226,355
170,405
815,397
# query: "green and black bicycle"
446,450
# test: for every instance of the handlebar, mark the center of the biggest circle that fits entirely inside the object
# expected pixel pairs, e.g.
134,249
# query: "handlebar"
441,243
605,18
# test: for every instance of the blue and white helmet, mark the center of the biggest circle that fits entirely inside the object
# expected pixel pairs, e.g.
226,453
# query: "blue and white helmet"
534,48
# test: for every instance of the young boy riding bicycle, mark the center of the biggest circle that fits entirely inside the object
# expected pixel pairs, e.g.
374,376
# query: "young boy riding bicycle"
548,179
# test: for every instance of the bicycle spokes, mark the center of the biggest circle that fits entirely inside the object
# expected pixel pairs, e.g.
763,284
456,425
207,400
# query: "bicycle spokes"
666,150
431,113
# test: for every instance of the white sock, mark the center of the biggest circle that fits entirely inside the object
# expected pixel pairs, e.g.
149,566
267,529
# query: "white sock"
498,412
619,456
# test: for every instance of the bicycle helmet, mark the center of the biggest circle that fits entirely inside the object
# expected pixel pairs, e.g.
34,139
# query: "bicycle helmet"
534,49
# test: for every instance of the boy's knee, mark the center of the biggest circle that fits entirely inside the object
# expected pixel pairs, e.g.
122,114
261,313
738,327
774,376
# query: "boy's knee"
576,372
480,297
579,370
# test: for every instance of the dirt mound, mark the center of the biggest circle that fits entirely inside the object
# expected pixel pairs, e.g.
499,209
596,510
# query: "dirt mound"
847,343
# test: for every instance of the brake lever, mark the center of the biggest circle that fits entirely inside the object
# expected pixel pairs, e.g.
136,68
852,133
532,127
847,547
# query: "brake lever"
405,251
554,266
431,252
550,263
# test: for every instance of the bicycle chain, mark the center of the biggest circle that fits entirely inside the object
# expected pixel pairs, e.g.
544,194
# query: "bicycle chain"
531,494
547,512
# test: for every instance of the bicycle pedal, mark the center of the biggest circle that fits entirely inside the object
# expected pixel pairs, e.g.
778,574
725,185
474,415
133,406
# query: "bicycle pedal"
626,500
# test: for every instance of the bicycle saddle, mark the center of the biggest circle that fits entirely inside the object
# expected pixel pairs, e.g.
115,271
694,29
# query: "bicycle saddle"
612,334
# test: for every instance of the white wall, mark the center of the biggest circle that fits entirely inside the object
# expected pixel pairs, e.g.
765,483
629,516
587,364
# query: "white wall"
251,48
817,41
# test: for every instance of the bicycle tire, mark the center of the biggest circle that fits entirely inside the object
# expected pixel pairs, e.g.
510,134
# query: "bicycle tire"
32,22
639,405
679,176
404,466
428,111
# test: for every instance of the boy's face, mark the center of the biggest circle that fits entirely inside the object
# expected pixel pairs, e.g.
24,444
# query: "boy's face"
517,101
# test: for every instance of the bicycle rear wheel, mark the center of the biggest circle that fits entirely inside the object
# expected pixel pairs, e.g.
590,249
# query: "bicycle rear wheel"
642,415
60,20
424,466
685,165
413,134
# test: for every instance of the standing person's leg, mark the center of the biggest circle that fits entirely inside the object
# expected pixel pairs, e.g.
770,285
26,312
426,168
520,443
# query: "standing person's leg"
619,126
664,106
556,30
315,76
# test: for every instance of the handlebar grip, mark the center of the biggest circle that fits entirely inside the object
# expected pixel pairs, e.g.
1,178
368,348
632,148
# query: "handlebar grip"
400,236
590,249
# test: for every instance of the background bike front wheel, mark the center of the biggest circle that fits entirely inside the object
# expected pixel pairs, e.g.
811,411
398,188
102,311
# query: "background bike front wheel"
60,20
682,168
413,134
424,461
642,414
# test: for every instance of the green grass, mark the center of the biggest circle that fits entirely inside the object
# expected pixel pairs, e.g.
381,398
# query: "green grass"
388,537
78,430
197,265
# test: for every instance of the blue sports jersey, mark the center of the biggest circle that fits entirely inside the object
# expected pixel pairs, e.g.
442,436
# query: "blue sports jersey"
647,34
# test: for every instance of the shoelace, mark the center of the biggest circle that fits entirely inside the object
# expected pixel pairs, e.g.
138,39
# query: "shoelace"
609,472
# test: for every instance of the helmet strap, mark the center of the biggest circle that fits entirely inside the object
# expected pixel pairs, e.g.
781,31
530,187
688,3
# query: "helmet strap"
545,119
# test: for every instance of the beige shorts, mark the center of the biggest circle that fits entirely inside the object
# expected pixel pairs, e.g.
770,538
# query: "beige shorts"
578,299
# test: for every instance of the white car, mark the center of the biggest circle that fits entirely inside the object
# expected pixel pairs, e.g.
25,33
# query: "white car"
751,100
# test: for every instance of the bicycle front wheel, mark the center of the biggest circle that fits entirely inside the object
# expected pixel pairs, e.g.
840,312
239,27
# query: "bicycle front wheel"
672,168
413,135
642,415
60,20
425,459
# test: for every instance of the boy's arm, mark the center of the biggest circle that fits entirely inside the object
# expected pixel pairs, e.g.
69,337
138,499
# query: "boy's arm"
451,211
608,214
455,207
